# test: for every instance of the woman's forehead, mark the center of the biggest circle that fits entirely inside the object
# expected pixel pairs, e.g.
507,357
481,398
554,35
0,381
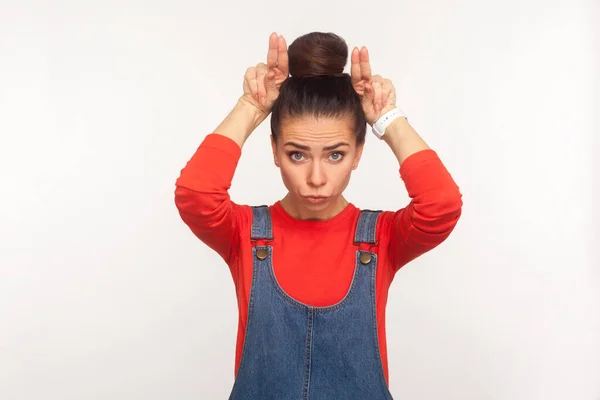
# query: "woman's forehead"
318,131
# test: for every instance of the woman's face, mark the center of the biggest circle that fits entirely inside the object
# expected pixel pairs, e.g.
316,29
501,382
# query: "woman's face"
316,158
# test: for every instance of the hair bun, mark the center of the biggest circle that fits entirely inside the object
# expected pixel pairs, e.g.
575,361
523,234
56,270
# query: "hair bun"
317,54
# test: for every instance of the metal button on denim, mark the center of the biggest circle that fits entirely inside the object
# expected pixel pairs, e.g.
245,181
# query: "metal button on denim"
365,258
261,254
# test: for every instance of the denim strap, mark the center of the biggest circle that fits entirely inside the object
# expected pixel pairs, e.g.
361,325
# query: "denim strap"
261,223
366,227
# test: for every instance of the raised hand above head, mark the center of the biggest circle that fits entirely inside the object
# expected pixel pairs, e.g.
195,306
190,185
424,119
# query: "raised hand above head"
262,82
378,94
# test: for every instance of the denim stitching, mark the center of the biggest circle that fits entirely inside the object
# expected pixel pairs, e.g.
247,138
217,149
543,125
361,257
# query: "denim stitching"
375,328
283,295
308,354
366,227
262,227
255,266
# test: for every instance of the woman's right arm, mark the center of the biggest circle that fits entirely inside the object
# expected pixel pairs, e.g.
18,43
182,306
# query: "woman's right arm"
202,189
201,193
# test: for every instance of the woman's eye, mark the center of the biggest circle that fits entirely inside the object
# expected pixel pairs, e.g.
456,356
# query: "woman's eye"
296,156
336,156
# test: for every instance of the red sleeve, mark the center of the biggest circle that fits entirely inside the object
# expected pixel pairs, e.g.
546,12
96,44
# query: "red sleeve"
432,213
202,198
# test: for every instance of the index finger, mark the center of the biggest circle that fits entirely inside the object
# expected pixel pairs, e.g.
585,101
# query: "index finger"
365,66
282,55
272,54
355,66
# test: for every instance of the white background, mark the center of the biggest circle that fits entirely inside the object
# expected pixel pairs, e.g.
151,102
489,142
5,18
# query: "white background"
105,293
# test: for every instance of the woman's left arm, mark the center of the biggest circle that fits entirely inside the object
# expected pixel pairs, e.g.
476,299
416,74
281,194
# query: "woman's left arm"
436,201
403,139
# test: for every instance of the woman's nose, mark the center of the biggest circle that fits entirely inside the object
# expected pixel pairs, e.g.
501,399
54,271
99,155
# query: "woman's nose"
316,176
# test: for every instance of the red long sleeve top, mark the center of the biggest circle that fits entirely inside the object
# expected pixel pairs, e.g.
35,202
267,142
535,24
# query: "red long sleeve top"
315,260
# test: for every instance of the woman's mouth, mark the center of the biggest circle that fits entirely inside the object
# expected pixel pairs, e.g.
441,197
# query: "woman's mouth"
315,199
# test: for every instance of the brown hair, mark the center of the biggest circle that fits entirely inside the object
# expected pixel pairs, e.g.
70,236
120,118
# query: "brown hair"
318,86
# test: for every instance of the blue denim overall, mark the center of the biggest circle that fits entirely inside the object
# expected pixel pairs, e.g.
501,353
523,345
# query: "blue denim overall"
293,351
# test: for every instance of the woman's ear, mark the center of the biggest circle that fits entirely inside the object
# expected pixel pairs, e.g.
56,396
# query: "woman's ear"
274,148
359,150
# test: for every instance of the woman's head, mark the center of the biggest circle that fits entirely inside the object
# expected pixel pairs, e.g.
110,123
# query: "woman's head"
318,125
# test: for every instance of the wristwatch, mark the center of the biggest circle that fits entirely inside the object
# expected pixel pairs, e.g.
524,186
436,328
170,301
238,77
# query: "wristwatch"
385,120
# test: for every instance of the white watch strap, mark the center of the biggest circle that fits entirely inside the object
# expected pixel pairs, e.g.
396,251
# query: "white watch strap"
385,120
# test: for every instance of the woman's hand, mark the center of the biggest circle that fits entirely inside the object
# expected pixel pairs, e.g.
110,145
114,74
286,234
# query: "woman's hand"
262,82
378,94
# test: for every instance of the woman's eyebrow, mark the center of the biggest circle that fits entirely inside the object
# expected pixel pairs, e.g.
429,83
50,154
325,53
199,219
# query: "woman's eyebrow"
300,146
335,146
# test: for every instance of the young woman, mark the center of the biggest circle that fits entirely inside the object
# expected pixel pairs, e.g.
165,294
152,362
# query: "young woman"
312,271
